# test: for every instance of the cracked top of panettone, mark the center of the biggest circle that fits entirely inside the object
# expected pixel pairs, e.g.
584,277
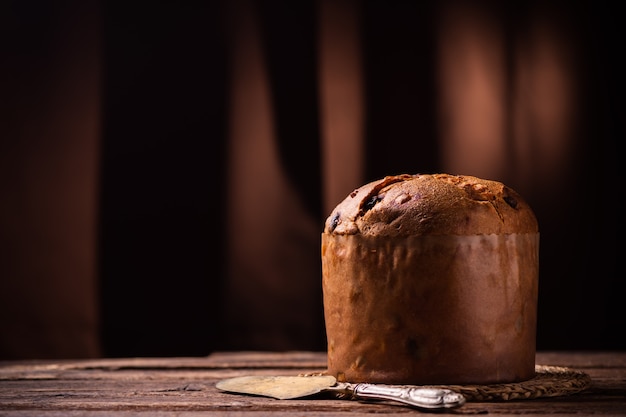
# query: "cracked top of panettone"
431,204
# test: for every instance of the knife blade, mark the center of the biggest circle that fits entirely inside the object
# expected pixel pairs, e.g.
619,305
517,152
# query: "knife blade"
290,387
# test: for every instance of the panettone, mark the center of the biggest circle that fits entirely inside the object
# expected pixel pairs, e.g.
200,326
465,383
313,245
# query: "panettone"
431,279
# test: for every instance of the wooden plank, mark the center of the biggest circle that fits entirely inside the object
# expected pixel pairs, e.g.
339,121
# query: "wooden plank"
583,359
231,360
186,386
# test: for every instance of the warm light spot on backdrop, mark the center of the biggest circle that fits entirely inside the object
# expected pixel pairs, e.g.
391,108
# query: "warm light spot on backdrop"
471,84
341,101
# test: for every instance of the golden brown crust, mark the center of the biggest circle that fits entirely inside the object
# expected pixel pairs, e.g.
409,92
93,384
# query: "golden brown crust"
437,204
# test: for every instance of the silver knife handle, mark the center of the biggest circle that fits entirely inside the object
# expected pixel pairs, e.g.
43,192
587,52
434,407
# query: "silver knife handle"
428,398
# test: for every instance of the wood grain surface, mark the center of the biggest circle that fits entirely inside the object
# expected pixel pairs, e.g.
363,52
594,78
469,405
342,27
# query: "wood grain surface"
186,387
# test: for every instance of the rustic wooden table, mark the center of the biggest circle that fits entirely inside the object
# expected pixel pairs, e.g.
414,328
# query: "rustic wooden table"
186,387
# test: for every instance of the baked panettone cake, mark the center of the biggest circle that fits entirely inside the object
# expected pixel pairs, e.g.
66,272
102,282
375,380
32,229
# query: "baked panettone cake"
431,279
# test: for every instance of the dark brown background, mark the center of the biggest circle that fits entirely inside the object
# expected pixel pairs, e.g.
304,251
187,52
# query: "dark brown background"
166,167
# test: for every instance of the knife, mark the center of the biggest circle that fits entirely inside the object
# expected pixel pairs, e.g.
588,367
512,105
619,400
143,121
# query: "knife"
290,387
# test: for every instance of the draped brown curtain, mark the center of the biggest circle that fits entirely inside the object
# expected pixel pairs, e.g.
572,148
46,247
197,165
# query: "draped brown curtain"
166,168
